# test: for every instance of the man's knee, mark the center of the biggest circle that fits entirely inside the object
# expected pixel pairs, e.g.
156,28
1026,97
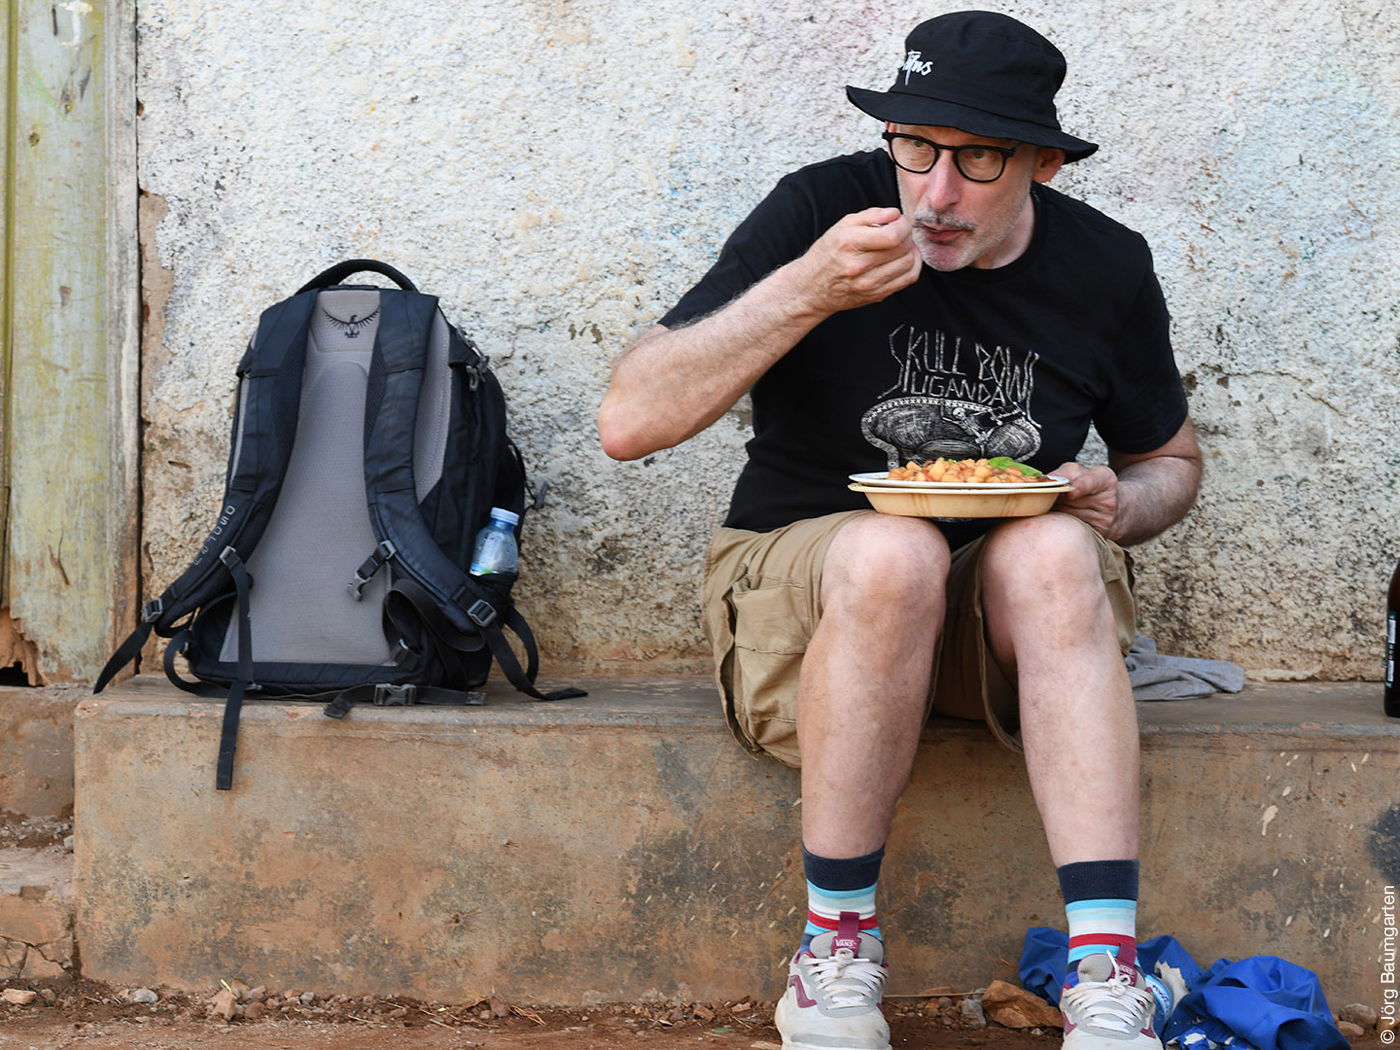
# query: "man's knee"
1034,558
1047,543
886,558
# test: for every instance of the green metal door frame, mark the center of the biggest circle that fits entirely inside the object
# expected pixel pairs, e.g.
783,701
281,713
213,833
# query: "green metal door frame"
71,332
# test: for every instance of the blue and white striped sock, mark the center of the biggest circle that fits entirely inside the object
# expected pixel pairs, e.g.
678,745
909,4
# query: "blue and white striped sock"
835,886
1101,908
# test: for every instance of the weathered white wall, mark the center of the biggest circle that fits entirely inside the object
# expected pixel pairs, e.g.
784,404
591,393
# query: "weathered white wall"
561,172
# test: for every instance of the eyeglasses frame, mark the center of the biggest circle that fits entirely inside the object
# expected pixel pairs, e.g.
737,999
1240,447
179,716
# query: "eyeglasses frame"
938,149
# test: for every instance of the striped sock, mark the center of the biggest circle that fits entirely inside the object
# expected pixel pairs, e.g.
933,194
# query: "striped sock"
836,886
1101,906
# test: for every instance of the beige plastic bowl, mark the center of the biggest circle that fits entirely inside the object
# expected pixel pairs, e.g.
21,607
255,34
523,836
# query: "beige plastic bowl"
999,501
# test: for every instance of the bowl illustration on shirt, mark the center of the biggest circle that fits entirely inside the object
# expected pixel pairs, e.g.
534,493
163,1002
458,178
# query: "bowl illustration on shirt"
921,428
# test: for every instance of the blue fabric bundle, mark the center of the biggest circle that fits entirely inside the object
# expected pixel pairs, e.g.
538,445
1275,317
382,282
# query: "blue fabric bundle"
1259,1003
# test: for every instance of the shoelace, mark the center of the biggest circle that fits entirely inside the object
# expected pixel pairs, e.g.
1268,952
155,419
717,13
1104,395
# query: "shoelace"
846,980
1115,1005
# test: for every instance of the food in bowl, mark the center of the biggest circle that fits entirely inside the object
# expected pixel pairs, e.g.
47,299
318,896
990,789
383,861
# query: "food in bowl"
1000,470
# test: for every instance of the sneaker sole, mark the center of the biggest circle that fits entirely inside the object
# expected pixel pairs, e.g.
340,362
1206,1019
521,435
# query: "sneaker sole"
1093,1041
831,1044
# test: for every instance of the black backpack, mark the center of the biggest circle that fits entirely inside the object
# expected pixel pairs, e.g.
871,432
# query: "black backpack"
357,523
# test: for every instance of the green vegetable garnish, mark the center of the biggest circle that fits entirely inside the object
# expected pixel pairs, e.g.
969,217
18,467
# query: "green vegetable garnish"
1006,461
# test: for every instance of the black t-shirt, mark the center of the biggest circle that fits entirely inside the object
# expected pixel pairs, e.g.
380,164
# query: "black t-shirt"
1014,361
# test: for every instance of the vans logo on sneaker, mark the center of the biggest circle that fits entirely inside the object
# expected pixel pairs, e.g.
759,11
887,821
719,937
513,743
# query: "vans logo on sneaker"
847,935
353,327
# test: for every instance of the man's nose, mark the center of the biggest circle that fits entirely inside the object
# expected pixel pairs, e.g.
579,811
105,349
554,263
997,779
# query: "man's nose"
943,183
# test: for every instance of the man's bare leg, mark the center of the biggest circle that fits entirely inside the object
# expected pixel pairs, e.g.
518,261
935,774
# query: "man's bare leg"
1051,628
865,679
1052,631
861,701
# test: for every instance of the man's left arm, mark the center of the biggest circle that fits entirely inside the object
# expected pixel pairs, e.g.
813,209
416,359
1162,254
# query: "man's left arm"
1136,497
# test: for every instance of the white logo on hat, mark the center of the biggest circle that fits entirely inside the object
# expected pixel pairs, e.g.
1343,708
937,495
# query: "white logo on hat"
913,65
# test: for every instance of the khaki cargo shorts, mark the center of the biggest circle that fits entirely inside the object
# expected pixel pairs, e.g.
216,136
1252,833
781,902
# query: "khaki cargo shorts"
761,599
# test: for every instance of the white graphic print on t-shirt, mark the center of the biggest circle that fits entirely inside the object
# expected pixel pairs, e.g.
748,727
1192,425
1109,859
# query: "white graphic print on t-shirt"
954,399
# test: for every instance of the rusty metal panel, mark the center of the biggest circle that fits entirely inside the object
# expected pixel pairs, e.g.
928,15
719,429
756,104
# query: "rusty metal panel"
72,340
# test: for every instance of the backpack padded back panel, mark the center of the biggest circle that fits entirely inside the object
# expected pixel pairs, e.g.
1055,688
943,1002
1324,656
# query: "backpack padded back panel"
369,441
319,532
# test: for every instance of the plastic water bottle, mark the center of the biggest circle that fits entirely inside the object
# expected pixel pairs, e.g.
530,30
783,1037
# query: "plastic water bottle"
495,549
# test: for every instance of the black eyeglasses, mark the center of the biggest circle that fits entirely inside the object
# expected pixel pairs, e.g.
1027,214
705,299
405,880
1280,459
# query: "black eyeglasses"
976,163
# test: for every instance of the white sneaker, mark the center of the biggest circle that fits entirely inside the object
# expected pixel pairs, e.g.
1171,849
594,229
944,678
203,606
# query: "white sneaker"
1109,1007
832,1001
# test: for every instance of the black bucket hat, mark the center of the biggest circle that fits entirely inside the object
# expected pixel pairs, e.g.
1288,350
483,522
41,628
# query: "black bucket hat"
983,73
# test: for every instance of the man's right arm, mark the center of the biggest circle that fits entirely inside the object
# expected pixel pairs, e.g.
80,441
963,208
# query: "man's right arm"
672,383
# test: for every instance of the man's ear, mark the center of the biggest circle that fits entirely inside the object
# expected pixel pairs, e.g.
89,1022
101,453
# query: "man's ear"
1047,163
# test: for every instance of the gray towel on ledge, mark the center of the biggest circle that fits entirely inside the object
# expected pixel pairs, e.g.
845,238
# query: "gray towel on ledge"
1158,677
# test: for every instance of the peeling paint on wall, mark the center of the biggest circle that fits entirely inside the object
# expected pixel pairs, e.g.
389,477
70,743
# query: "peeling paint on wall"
16,649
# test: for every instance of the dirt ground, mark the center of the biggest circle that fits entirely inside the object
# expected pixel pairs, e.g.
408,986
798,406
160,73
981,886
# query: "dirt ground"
80,1014
84,1015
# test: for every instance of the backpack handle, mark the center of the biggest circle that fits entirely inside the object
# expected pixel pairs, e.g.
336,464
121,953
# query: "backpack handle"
337,273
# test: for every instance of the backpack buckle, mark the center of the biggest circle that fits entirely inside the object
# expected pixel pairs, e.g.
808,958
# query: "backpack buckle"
476,373
382,553
482,613
387,695
152,610
406,657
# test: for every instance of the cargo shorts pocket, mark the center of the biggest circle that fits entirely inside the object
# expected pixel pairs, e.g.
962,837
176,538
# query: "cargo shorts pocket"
773,622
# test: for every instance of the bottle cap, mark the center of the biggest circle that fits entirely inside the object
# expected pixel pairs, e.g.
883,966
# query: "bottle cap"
507,516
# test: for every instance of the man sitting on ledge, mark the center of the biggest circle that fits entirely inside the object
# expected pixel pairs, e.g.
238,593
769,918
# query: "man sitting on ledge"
935,298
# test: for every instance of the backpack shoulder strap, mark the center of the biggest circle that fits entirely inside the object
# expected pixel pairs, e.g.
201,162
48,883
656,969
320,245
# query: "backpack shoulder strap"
444,591
391,405
265,421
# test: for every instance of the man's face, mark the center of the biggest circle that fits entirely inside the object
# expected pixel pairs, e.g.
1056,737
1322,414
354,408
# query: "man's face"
958,222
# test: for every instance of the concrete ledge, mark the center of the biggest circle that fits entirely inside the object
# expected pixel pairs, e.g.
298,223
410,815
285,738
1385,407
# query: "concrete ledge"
623,846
